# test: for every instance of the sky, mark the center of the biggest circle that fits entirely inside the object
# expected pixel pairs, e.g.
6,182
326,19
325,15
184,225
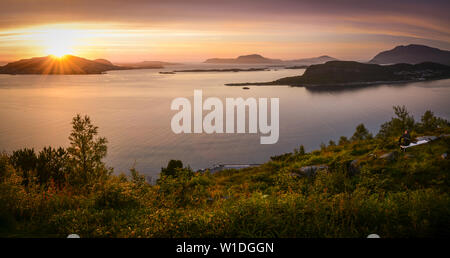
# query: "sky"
194,30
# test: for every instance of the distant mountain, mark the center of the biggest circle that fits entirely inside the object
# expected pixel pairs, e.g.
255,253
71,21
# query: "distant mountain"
148,64
258,59
53,65
247,59
346,73
312,61
412,54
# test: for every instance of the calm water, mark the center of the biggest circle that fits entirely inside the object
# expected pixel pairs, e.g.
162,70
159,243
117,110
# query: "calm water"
132,110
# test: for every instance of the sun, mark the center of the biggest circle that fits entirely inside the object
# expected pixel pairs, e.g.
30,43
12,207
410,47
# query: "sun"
58,51
58,42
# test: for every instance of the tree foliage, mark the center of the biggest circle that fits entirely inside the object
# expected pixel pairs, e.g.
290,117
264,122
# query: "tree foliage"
429,122
86,152
172,168
361,133
398,124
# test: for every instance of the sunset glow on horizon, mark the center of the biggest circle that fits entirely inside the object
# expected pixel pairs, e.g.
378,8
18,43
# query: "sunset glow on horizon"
157,30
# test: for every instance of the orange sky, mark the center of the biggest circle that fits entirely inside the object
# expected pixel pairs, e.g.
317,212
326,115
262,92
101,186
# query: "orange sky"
196,30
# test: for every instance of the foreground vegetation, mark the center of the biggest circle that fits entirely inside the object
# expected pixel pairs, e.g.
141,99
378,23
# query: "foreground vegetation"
363,185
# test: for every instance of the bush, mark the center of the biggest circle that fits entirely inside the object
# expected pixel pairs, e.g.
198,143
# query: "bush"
115,195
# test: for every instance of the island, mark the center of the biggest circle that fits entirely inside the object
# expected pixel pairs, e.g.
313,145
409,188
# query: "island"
350,73
259,59
70,64
67,64
245,59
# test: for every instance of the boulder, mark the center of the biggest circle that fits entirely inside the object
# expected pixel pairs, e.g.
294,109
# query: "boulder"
389,156
311,170
354,167
426,138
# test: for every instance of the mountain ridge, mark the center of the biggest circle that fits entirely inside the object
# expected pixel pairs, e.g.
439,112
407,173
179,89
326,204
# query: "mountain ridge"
256,58
412,54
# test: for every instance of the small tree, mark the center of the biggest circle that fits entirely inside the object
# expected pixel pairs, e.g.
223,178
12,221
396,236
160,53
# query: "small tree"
361,133
343,140
5,166
136,177
300,151
86,151
172,167
24,160
429,122
52,165
403,121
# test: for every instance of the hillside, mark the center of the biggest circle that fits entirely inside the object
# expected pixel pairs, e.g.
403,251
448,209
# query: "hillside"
412,54
103,61
68,64
345,73
349,188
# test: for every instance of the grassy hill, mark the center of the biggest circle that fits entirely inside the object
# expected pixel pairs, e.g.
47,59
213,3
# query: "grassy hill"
350,188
